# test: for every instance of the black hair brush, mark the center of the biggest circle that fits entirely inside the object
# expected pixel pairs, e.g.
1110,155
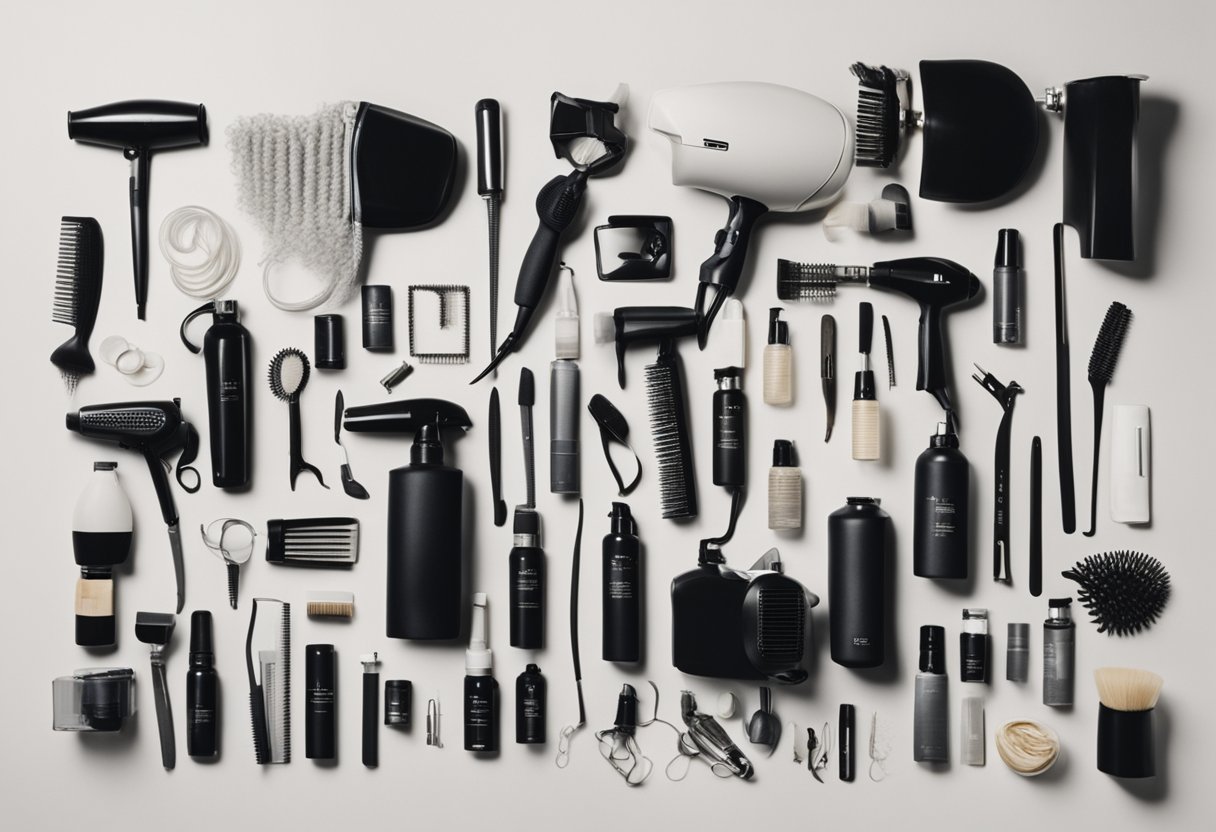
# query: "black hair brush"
1124,592
670,433
882,113
77,294
1101,368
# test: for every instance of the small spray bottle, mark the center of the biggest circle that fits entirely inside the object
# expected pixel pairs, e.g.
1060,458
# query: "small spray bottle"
778,361
480,687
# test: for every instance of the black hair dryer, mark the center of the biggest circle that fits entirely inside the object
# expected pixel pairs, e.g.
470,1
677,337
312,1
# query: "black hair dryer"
137,128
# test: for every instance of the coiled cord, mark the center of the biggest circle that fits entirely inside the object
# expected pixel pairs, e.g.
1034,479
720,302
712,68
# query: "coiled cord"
202,250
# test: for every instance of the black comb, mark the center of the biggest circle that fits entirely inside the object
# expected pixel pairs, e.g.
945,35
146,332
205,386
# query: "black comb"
77,294
879,116
1124,592
1101,368
670,434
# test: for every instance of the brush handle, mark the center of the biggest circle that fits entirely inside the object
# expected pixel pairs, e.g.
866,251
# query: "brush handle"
724,267
1099,400
495,418
1068,490
1001,500
1036,517
296,456
164,713
371,706
140,170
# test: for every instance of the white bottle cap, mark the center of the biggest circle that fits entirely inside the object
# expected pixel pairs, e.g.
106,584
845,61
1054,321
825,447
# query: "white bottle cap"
733,338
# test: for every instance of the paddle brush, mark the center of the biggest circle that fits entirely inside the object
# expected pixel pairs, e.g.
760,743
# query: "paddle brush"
1101,367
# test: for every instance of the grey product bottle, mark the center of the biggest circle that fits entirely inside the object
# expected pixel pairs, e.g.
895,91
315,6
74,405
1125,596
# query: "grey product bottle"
931,717
857,582
939,532
622,588
1059,647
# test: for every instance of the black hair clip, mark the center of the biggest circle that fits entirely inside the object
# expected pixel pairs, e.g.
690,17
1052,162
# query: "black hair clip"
612,426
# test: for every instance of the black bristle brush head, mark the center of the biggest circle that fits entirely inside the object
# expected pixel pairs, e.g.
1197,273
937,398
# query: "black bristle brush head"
878,114
670,434
1110,341
805,281
1123,591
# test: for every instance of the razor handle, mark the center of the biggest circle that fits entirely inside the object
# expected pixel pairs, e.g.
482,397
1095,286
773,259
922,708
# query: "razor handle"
724,268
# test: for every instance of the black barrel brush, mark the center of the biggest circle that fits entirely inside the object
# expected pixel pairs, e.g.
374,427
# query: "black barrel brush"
1101,367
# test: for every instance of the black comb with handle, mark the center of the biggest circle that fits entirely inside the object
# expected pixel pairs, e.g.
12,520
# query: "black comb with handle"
77,295
1101,368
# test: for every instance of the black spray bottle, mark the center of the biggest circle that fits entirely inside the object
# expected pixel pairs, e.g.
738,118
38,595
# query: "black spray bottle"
227,353
527,576
202,690
622,592
480,688
939,531
857,582
930,716
530,706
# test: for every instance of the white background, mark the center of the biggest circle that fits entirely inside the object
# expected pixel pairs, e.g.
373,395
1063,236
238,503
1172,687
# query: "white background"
435,61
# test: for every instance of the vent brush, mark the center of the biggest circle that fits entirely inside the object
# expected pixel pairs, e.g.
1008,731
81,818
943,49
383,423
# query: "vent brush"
670,434
1101,367
77,294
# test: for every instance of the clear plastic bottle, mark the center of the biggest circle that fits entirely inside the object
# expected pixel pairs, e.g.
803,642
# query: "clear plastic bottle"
778,362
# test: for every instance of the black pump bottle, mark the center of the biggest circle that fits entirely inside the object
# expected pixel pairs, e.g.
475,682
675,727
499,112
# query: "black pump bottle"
202,690
939,532
226,351
622,588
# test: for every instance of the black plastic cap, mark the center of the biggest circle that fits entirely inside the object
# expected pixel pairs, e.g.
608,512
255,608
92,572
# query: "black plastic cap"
526,521
945,437
398,699
622,519
727,372
932,649
329,340
778,330
1125,743
200,633
1008,249
96,631
783,453
428,446
72,420
1056,603
527,388
489,147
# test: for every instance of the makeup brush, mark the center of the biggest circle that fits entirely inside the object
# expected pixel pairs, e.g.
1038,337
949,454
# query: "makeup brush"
1101,368
1125,721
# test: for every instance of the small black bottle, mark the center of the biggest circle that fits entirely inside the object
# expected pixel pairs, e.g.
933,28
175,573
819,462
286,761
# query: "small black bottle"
622,588
202,690
321,702
973,646
226,352
730,429
527,575
939,532
480,687
858,535
530,706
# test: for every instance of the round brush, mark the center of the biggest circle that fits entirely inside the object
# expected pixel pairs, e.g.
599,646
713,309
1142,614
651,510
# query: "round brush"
1125,721
1124,591
1101,368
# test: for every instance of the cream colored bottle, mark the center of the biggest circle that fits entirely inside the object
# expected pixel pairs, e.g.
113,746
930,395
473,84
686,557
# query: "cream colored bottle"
784,488
778,362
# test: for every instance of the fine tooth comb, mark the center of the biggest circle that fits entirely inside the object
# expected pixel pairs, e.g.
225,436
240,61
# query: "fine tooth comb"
670,434
326,542
77,294
323,604
268,663
1101,368
450,344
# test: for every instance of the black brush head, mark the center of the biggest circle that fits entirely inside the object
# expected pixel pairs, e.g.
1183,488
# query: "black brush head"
288,373
878,115
865,338
1123,591
1110,341
670,434
805,281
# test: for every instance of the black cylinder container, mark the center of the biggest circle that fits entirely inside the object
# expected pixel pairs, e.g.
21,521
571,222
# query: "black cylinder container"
202,690
530,706
320,702
329,342
424,543
1125,743
939,532
730,429
527,590
227,349
480,713
622,588
378,318
858,536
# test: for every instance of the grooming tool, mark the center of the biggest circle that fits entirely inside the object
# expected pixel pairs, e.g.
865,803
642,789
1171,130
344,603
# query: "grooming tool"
567,733
784,488
1006,397
621,595
330,604
936,284
377,302
433,737
728,704
669,431
941,538
354,166
981,126
156,630
797,752
1123,591
530,706
1126,745
425,519
396,376
329,342
741,624
778,361
886,337
371,708
202,251
495,421
268,664
480,688
349,484
102,530
1131,464
78,276
1101,367
628,325
973,644
859,567
634,247
320,702
847,735
891,211
288,376
930,718
1036,517
764,727
93,699
819,750
1017,652
157,430
1100,165
1007,278
812,753
971,731
139,367
585,134
879,749
490,185
619,745
226,352
527,399
729,444
827,370
867,431
202,690
763,147
232,542
711,740
1028,748
1059,653
1068,492
137,128
734,335
526,573
613,427
564,380
326,542
398,699
451,344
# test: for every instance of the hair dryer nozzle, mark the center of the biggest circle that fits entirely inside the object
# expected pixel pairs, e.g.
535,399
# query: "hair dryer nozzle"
637,324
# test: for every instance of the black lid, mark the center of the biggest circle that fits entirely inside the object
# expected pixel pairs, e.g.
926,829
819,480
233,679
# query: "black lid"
932,649
532,669
778,330
428,446
1055,603
200,634
863,501
944,438
727,372
1008,251
622,519
783,453
330,342
527,521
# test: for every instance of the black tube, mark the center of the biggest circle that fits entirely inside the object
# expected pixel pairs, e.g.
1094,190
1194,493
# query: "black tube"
321,702
371,727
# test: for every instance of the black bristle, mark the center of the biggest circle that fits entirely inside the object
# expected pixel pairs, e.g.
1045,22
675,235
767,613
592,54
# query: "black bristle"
669,432
1124,591
78,275
805,281
1109,343
877,116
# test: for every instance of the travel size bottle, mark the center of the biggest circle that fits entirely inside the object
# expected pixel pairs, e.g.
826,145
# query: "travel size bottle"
530,706
778,361
857,582
480,688
973,646
622,588
1059,646
320,702
784,488
202,690
527,575
730,429
930,717
939,531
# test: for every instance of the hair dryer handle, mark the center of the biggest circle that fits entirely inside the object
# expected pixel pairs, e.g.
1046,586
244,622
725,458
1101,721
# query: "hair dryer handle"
931,366
140,169
724,267
160,479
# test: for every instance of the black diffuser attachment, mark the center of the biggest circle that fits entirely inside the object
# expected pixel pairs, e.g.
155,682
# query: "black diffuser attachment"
1124,591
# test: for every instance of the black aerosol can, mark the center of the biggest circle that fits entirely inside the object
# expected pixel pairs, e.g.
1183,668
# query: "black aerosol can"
622,588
